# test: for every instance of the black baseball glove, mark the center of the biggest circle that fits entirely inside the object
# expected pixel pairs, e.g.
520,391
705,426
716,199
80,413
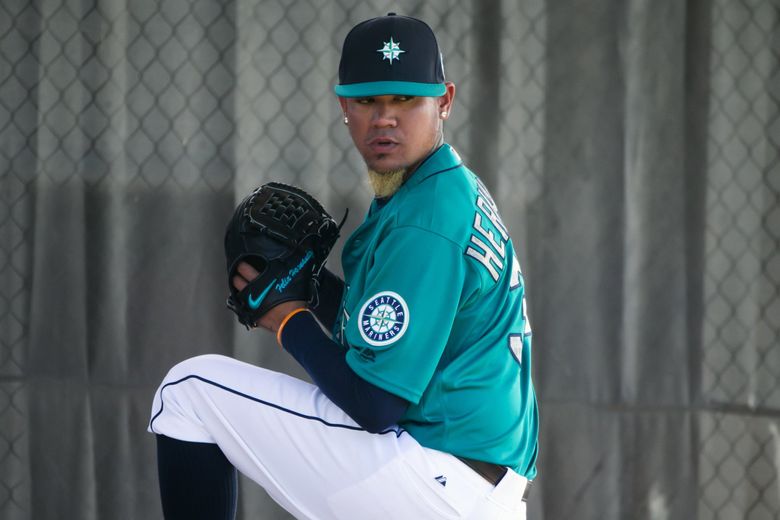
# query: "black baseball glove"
286,235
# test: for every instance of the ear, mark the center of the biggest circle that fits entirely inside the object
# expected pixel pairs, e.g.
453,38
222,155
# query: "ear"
446,101
343,103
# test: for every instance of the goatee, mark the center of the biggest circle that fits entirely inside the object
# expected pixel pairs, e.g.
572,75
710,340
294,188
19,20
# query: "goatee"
386,183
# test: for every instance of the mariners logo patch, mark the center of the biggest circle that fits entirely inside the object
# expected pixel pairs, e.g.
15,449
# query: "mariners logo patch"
391,51
384,318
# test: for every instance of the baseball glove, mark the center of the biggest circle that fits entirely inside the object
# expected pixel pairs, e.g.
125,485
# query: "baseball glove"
286,235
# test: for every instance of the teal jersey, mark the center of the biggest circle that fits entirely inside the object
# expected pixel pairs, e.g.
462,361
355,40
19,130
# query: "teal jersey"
434,312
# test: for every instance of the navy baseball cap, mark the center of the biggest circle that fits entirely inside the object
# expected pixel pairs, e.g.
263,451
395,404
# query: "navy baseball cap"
391,55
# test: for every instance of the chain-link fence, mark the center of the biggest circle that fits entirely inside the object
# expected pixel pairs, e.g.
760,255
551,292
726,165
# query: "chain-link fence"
741,331
182,97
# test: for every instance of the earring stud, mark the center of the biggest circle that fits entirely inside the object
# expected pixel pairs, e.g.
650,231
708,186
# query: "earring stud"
444,114
346,121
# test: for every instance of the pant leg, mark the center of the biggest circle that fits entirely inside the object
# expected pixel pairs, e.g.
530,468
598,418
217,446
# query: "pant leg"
309,456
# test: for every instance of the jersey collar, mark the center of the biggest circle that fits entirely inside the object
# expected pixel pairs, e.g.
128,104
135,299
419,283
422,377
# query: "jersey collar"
442,159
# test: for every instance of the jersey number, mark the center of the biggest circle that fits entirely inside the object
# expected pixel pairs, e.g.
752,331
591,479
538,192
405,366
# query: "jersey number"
516,341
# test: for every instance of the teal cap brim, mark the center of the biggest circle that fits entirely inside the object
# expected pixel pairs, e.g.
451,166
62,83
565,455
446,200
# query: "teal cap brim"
387,88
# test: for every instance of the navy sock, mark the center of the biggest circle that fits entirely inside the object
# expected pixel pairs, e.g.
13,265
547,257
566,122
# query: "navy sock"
197,482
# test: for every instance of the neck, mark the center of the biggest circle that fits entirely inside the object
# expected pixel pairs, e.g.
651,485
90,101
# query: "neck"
436,145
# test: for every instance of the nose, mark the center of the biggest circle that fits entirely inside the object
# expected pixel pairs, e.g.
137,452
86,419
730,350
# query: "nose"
384,116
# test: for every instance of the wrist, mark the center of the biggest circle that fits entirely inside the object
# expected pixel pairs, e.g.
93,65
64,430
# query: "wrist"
274,317
284,321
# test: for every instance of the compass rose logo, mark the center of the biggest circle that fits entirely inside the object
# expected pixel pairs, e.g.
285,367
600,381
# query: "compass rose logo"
383,319
391,51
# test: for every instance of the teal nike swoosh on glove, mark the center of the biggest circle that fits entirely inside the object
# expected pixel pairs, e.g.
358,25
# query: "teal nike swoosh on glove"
254,303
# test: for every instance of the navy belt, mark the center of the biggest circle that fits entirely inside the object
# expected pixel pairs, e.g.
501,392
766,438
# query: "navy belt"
493,473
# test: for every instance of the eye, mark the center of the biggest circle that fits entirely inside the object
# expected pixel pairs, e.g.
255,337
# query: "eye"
364,101
404,98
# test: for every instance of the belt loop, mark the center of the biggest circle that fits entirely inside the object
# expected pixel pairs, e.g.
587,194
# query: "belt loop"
527,492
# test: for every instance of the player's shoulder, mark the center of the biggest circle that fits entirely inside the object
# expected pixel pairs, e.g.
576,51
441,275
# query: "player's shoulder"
442,203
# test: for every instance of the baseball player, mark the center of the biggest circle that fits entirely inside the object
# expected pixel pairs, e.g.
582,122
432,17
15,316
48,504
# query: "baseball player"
422,404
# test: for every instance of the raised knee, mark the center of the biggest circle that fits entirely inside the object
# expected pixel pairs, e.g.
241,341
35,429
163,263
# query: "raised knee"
194,366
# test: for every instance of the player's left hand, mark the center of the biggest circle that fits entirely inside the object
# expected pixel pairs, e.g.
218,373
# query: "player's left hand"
281,236
245,273
271,320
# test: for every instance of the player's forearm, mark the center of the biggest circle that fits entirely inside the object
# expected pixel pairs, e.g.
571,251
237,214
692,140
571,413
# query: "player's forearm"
373,408
330,293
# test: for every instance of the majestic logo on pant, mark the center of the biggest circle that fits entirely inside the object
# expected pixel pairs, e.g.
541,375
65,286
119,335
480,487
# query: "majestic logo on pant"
384,318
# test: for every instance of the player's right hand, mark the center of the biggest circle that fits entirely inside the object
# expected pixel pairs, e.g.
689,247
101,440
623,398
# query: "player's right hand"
274,317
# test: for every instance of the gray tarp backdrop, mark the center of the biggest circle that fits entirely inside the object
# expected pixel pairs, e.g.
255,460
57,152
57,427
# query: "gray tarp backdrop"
631,144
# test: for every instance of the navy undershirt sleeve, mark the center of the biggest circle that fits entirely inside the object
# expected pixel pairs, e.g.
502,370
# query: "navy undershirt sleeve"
373,408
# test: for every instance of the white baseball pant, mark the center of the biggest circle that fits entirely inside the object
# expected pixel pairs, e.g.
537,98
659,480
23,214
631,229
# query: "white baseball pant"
311,458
